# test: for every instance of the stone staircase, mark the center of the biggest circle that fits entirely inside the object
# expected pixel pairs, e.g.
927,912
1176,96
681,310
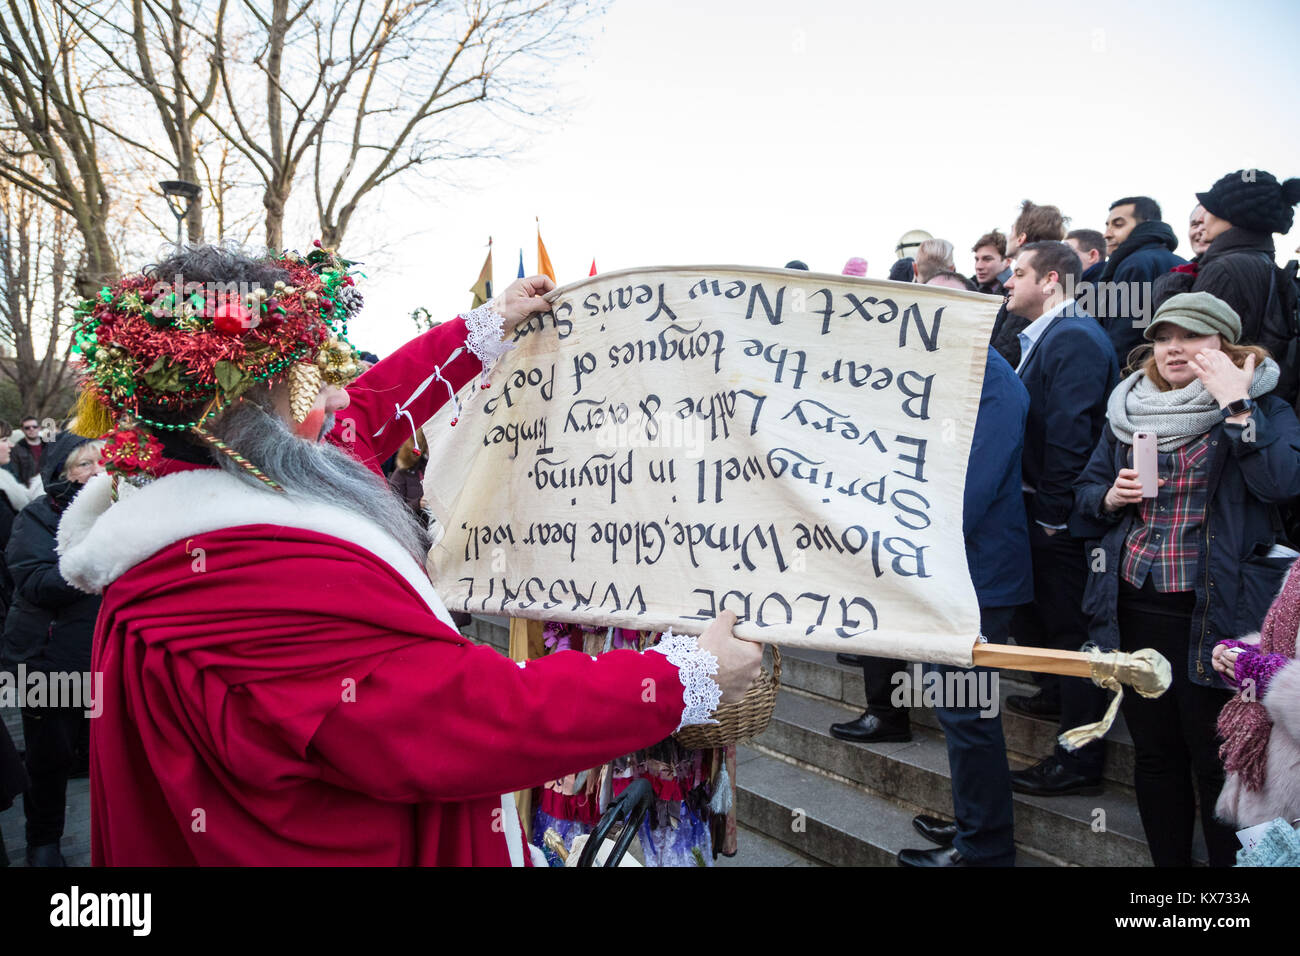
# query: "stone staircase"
835,803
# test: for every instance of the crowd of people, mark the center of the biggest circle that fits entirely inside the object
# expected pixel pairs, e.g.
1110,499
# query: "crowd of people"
1105,336
1105,340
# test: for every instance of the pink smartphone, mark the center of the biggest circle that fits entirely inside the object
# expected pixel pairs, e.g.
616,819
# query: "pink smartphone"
1144,460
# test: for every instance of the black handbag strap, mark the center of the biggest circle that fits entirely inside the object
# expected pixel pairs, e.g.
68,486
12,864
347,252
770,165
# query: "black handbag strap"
634,804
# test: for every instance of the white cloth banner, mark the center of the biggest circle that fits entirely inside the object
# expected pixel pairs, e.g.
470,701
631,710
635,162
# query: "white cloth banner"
671,442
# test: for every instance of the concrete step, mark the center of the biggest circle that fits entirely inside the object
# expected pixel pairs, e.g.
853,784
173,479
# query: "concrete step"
754,848
485,629
916,773
818,673
830,821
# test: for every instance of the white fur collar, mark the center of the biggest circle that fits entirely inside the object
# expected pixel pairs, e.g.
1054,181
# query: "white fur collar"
99,540
19,496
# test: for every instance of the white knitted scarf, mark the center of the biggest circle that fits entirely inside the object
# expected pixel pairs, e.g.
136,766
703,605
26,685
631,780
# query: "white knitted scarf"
1177,416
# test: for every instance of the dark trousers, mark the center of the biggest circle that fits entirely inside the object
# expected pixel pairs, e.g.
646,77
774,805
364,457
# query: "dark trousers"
1060,573
1175,745
977,761
51,735
878,676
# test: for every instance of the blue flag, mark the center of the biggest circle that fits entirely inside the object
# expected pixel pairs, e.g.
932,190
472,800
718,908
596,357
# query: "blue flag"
521,263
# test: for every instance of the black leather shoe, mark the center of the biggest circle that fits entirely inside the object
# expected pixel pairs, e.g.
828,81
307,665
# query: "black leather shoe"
1034,706
935,856
936,829
869,729
45,855
853,660
1048,778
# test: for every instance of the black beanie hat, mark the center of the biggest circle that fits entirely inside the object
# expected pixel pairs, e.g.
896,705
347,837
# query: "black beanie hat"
1253,199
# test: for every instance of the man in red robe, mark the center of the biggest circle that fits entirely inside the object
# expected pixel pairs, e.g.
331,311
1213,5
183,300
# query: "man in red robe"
281,683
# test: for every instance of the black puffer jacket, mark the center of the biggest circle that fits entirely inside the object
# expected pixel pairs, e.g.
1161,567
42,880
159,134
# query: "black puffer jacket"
50,624
1005,338
1238,268
13,499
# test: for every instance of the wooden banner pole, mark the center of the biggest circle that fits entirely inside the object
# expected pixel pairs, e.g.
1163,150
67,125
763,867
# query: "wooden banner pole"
1040,660
526,643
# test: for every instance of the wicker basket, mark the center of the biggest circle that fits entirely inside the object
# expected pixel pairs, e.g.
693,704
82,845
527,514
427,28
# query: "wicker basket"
740,721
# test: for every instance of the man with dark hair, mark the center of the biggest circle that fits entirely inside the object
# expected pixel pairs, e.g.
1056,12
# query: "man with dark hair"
991,269
1068,366
1141,249
1034,224
1125,214
901,270
25,462
1090,246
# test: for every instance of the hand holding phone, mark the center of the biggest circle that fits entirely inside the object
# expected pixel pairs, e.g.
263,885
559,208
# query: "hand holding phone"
1134,484
1147,466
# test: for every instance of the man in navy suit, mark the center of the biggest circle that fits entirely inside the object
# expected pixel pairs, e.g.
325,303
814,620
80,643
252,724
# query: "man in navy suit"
997,552
1068,365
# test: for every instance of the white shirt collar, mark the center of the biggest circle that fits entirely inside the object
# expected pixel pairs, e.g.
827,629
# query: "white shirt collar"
1034,329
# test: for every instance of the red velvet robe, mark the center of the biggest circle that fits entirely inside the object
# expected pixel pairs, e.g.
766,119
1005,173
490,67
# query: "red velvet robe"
295,700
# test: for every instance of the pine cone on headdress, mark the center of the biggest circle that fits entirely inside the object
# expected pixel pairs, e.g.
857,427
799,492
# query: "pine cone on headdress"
304,386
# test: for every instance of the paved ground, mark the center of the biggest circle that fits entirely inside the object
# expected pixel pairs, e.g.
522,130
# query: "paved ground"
76,832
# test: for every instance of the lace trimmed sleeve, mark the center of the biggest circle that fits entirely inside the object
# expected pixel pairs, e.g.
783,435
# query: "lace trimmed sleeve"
696,667
486,326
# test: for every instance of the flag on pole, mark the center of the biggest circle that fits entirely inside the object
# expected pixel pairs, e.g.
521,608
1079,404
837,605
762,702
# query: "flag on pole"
521,264
593,268
483,287
543,260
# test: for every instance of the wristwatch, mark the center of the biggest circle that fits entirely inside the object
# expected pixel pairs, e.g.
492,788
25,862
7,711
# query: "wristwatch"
1238,407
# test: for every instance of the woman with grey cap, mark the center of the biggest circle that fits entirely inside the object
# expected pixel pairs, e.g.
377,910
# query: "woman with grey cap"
1195,564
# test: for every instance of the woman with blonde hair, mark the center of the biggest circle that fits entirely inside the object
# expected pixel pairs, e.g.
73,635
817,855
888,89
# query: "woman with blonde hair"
48,629
1191,563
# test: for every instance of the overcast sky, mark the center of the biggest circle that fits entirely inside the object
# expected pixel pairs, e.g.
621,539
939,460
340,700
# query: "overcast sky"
757,132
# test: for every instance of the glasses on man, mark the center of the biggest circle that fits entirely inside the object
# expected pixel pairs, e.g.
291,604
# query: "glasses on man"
31,428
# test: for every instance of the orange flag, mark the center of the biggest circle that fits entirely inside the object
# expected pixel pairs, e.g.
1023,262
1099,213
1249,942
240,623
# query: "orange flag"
543,260
483,287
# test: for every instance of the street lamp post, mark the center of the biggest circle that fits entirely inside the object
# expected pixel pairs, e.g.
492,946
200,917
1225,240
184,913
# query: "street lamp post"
175,190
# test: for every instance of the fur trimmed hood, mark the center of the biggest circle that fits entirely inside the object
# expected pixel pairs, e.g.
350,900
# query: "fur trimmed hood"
19,496
99,540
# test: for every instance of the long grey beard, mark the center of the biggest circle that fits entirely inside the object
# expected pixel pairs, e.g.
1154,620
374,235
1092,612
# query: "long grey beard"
311,472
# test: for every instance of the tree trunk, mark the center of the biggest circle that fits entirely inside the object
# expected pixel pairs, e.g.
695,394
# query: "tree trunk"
98,267
194,216
274,201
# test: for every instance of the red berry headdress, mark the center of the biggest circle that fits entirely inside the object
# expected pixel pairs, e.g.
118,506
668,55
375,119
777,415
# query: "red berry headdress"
170,358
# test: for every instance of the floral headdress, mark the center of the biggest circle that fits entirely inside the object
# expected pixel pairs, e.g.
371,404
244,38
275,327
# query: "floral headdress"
162,358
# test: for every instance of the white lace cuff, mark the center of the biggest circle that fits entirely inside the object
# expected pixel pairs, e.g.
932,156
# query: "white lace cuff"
486,326
695,667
